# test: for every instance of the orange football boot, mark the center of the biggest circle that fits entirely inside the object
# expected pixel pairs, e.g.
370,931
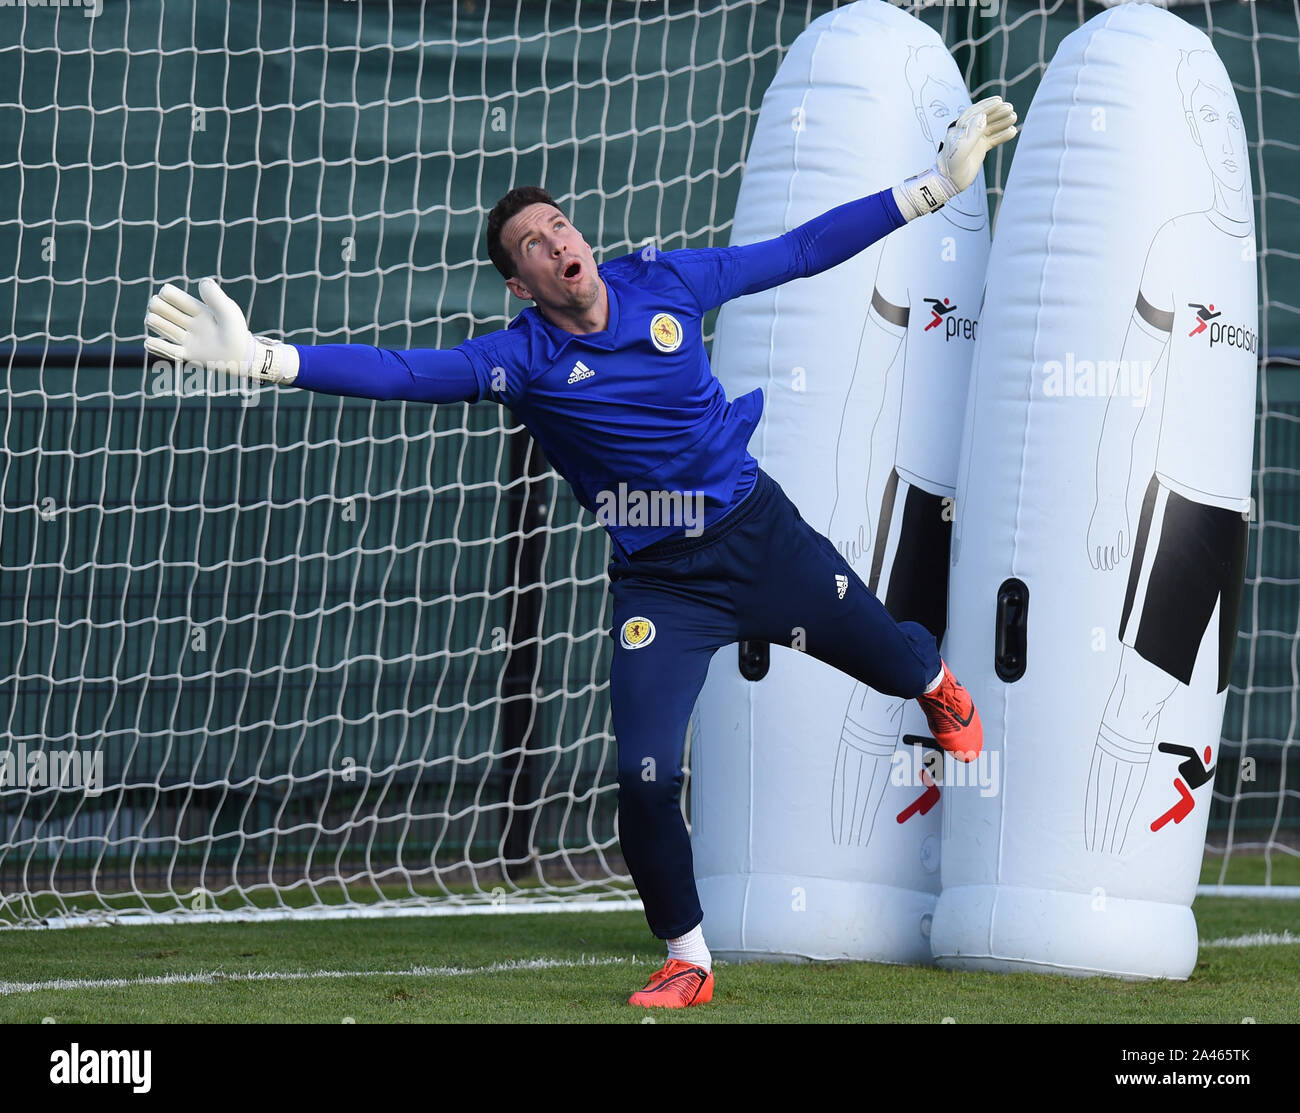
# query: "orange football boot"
675,986
953,720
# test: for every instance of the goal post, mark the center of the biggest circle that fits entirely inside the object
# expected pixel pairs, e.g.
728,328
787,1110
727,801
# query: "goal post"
278,653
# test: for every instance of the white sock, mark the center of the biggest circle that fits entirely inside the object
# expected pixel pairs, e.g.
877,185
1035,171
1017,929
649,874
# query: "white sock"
691,948
934,683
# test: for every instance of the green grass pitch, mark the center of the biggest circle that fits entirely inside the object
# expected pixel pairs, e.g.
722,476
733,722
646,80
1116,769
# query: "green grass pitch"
580,967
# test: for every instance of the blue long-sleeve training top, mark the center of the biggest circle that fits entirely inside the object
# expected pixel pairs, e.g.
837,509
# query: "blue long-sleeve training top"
635,408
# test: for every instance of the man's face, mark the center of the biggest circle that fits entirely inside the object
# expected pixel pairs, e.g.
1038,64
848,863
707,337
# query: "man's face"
940,104
1217,128
555,265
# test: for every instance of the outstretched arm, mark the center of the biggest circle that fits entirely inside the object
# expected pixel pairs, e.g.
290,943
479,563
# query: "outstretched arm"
362,371
716,275
214,333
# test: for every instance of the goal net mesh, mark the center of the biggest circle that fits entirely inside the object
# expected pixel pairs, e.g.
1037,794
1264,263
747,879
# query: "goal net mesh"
290,651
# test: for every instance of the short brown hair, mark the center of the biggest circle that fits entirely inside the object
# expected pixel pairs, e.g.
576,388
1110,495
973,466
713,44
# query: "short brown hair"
513,202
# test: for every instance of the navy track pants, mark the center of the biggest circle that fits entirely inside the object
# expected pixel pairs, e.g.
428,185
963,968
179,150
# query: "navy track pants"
763,574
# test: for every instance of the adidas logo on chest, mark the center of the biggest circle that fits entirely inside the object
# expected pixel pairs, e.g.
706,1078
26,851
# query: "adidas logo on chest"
580,371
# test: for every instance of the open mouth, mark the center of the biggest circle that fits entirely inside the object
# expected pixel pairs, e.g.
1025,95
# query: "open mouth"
572,270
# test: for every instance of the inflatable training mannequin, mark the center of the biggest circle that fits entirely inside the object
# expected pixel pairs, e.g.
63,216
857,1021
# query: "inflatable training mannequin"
815,824
1103,508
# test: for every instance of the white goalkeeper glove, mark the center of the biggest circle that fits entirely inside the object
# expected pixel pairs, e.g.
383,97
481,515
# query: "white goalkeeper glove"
969,138
214,334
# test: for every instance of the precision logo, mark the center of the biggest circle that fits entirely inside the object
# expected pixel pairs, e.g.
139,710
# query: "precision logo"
954,327
1220,332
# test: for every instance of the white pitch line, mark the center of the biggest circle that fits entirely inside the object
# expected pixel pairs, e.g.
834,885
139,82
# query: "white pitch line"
1255,939
215,976
7,989
137,918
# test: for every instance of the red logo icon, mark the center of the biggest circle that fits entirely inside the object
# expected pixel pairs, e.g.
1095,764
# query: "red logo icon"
1204,315
1195,771
924,802
938,306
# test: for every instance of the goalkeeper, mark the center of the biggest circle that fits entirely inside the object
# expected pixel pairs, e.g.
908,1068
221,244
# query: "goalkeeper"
608,372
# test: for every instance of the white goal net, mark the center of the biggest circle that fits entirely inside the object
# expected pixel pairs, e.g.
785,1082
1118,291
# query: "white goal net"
288,653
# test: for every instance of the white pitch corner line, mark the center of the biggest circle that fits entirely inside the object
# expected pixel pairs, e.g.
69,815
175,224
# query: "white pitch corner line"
1254,939
329,912
213,977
